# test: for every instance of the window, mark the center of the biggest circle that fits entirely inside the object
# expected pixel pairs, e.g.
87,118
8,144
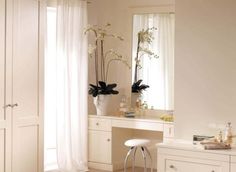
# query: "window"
50,158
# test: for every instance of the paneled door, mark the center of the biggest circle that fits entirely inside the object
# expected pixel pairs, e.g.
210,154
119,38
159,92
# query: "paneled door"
5,119
27,87
2,86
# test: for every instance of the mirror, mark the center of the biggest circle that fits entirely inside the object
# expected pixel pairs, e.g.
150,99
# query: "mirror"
153,60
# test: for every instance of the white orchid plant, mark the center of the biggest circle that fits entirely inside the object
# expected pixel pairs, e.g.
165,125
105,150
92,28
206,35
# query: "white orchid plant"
103,59
145,39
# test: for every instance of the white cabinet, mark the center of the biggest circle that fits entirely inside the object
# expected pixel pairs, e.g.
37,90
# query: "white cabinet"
100,146
100,143
107,135
21,85
180,159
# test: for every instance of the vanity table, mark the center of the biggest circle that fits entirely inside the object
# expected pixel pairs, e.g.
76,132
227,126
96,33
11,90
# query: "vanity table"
177,156
108,133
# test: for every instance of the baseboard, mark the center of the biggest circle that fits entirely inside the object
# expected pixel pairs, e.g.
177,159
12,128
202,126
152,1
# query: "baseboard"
100,166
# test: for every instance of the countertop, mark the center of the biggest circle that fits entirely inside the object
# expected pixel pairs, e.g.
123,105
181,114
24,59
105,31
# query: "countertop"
188,145
148,118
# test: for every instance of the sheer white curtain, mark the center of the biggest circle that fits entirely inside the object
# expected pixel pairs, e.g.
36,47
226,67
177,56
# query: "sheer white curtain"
71,69
157,73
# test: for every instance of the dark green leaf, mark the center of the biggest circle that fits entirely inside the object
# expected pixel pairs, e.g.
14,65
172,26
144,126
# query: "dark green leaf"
102,84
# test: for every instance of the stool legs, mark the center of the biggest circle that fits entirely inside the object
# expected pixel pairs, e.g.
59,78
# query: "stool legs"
144,158
144,150
126,158
149,157
133,159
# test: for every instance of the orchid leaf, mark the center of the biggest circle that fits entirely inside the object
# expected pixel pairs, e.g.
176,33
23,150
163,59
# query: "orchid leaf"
103,89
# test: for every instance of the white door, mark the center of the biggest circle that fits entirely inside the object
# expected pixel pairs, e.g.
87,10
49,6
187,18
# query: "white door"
27,87
5,112
100,146
2,86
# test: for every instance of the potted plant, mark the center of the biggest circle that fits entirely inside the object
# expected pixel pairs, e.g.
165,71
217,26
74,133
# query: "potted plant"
103,59
145,39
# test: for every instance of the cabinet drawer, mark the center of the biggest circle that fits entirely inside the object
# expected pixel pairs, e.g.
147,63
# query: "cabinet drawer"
99,124
184,166
168,130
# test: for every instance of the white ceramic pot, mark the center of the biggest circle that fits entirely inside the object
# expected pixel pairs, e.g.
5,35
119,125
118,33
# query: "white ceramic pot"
101,103
134,97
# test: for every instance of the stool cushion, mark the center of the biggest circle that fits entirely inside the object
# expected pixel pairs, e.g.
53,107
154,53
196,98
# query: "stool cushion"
137,142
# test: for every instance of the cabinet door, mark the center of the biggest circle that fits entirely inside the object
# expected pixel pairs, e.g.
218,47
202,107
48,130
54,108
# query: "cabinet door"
183,166
100,146
27,86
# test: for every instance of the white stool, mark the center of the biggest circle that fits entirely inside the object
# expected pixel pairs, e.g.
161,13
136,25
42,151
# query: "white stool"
134,144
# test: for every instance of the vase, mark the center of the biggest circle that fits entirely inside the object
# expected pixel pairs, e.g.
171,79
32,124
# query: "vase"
134,98
101,103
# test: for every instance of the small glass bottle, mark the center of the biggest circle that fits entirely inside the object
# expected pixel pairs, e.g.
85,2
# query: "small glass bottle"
145,105
228,134
220,138
138,105
123,105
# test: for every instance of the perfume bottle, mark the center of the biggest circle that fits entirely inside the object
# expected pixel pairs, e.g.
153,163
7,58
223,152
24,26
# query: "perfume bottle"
123,105
220,137
145,105
228,134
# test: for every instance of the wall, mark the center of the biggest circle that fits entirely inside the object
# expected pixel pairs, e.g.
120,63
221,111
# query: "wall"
205,66
118,13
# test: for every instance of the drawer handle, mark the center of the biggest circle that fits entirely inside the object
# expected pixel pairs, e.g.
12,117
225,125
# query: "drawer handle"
14,105
97,124
10,105
171,166
213,171
108,140
6,106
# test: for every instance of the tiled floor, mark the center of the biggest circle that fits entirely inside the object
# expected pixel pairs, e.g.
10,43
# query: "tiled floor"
129,170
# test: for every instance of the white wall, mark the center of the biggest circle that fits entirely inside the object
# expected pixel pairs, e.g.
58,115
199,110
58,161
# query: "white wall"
205,66
118,13
205,60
